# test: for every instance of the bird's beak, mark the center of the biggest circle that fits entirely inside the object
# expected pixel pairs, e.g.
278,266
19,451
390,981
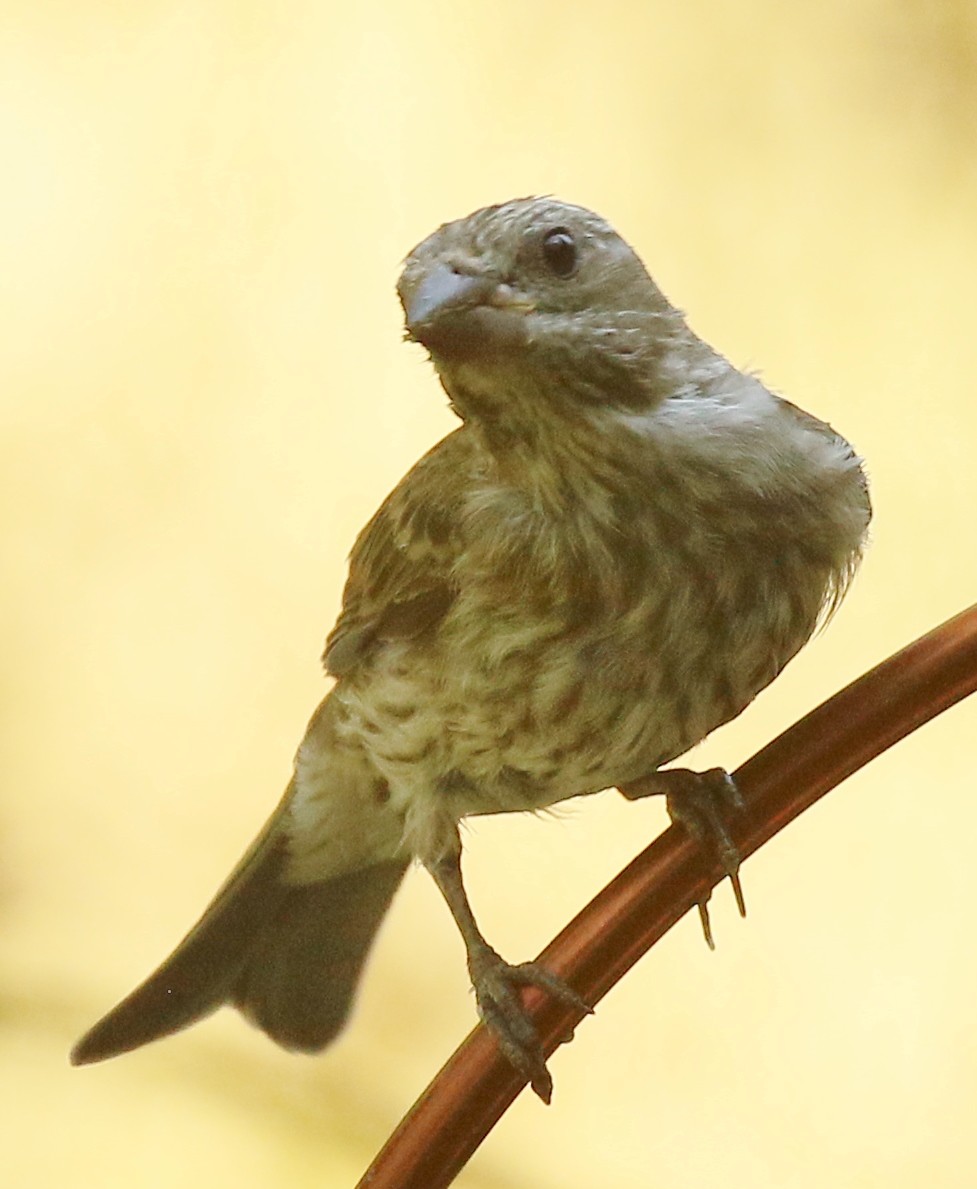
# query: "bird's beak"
442,290
450,311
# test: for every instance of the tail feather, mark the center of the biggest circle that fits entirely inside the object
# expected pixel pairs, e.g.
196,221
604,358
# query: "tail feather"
298,982
287,955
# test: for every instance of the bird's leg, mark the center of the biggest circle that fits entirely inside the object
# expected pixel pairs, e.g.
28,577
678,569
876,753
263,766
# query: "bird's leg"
700,802
496,983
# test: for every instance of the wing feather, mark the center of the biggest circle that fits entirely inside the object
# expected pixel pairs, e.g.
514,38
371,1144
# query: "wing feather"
400,582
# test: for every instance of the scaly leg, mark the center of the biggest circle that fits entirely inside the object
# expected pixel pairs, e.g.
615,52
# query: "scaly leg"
496,983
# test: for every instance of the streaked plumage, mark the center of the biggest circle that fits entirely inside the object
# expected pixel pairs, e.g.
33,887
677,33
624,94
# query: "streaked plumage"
624,542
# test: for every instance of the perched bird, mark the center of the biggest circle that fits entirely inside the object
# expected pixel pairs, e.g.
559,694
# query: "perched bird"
622,544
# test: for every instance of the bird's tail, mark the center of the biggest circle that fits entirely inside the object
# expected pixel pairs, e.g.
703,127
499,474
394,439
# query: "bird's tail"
288,956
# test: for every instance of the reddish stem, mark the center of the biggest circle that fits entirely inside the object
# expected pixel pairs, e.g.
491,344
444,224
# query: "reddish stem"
476,1086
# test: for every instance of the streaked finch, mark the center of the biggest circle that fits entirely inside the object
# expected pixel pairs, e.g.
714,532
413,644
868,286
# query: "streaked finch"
622,544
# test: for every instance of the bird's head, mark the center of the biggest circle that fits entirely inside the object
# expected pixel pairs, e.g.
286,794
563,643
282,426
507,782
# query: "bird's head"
534,303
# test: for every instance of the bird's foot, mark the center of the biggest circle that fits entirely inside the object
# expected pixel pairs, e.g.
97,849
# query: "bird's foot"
497,984
700,802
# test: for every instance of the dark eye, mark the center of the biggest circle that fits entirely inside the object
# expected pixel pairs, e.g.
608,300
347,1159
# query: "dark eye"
560,252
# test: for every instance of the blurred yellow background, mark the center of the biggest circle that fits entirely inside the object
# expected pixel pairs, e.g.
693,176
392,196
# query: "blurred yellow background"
204,396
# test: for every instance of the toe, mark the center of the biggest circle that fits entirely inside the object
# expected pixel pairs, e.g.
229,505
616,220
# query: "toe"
532,974
502,1010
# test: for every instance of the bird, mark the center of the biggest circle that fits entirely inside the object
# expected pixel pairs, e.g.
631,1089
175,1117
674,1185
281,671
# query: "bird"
624,541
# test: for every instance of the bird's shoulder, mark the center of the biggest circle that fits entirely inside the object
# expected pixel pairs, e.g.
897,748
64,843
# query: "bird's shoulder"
400,582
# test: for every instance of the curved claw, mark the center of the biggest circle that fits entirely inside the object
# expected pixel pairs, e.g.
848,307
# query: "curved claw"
500,1006
703,907
700,802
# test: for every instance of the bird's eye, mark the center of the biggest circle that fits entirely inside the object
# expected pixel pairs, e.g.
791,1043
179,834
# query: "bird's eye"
560,252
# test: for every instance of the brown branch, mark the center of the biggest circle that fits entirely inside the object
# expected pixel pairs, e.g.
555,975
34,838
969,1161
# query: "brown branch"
475,1087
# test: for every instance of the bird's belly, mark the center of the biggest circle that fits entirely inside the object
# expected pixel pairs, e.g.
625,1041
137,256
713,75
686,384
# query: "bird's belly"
509,712
523,730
